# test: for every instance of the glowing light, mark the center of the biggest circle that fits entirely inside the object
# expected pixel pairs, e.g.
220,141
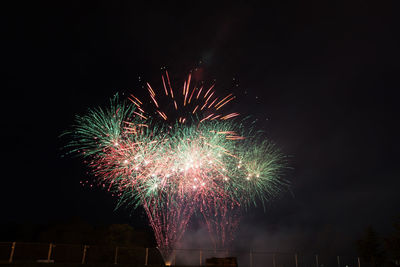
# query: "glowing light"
178,147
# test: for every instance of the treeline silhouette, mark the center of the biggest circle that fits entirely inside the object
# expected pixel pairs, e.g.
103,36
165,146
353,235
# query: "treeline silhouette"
377,250
372,248
77,231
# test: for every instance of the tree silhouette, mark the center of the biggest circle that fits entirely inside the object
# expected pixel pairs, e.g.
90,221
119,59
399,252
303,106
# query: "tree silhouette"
392,243
75,231
369,248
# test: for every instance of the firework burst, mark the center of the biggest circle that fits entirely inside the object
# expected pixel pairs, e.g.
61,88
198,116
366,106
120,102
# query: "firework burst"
176,163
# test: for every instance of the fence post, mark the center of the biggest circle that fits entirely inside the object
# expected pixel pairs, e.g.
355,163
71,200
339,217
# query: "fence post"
49,253
116,255
316,260
201,256
296,260
338,261
358,261
84,254
273,260
251,258
146,259
12,252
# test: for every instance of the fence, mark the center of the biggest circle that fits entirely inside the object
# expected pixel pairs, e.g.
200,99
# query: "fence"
259,258
19,252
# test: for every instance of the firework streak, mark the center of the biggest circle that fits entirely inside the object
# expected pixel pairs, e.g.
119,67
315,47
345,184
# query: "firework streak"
187,158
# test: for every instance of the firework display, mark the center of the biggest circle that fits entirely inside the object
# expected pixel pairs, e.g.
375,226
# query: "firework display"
180,156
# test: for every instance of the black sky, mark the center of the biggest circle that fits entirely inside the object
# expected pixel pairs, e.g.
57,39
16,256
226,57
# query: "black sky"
321,79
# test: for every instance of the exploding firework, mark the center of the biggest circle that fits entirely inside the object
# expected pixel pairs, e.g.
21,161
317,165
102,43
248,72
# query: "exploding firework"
194,100
174,163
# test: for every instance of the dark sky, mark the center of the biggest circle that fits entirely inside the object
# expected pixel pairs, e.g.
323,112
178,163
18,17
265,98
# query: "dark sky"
321,79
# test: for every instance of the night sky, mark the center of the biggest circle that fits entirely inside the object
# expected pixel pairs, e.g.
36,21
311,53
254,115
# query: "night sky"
321,79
